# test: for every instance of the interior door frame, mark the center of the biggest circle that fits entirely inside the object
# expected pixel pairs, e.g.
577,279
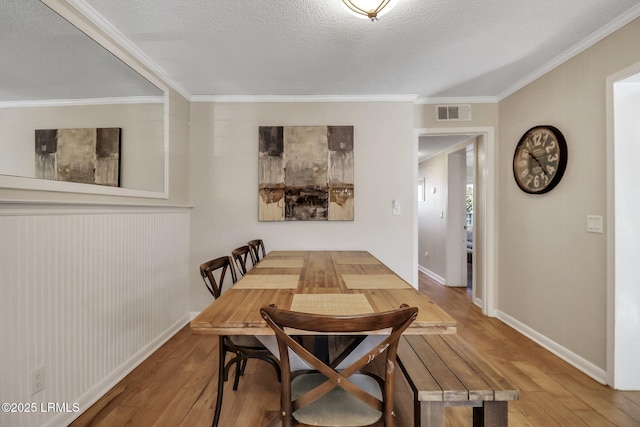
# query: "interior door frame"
486,205
617,339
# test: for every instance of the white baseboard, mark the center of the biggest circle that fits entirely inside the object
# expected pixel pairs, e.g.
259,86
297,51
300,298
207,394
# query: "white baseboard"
433,275
478,302
107,383
565,354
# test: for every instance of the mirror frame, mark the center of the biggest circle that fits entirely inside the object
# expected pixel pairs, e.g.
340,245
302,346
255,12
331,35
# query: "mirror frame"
96,32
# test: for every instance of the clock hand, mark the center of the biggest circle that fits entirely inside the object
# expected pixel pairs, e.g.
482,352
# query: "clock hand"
538,162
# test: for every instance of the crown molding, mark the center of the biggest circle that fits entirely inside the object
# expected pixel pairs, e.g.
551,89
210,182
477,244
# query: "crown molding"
457,100
303,98
83,102
583,45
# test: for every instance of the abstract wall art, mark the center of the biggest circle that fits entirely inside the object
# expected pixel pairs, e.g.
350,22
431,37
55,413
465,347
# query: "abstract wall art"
306,173
86,155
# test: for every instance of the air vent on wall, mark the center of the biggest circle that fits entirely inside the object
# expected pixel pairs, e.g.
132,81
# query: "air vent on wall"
453,112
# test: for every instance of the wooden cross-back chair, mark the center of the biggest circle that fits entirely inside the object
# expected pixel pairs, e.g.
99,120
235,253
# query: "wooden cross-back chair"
241,347
221,266
328,396
241,257
257,248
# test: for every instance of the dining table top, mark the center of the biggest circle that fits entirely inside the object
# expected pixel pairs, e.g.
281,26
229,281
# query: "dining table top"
321,282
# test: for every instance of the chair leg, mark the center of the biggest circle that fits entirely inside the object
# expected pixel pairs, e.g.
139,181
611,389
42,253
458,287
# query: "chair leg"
240,361
221,378
244,365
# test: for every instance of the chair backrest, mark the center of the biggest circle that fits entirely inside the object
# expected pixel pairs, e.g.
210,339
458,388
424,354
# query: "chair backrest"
257,247
396,320
217,267
241,257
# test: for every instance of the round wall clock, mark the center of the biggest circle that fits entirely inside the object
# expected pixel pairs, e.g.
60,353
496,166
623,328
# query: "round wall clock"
540,159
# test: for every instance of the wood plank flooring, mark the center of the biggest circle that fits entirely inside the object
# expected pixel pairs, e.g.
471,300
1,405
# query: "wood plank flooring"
176,386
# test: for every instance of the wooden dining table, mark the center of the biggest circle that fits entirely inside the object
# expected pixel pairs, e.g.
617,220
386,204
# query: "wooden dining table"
322,282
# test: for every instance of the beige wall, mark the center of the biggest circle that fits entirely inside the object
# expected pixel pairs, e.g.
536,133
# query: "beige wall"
552,272
224,168
179,150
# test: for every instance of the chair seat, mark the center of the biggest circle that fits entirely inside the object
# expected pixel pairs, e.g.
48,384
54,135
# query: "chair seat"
336,408
246,341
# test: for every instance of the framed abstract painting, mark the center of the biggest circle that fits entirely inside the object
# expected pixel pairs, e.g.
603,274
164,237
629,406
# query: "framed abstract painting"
306,173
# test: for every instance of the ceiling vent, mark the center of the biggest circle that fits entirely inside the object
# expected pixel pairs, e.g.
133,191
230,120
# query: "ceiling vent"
453,112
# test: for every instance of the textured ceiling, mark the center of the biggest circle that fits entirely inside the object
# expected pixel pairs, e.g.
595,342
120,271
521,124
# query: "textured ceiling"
432,49
429,48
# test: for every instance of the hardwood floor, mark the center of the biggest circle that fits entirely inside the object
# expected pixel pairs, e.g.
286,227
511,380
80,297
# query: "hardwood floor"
176,385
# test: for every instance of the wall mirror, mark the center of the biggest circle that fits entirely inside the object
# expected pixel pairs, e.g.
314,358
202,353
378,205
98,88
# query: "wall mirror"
54,76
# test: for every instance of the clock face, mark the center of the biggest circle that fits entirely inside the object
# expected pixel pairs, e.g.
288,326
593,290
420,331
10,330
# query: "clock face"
540,159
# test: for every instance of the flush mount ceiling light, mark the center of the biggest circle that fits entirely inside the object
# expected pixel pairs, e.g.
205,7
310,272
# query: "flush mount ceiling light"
371,9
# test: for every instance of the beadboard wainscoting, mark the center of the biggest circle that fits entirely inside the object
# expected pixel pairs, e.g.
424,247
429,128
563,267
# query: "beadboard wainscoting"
87,293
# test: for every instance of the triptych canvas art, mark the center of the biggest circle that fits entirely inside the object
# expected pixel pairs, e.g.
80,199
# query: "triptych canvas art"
306,173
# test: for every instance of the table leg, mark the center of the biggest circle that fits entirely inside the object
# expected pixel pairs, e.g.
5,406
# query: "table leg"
221,360
431,415
491,414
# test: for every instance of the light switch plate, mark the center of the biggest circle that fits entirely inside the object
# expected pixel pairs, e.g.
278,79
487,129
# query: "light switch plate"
594,224
395,207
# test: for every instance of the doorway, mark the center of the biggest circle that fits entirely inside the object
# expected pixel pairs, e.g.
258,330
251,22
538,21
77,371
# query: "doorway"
483,229
623,294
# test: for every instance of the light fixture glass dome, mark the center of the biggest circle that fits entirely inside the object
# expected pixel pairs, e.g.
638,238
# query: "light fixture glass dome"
369,9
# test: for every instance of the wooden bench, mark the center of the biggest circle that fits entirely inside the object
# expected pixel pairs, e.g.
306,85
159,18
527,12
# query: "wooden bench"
442,372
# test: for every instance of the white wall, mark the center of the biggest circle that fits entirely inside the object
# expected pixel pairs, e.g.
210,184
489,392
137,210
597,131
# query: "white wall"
552,272
224,170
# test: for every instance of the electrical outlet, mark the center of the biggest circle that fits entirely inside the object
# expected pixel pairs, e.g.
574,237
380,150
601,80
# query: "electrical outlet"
37,380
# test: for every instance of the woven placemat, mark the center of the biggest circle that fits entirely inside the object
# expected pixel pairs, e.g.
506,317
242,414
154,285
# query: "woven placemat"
331,304
281,263
344,260
264,281
287,254
374,281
